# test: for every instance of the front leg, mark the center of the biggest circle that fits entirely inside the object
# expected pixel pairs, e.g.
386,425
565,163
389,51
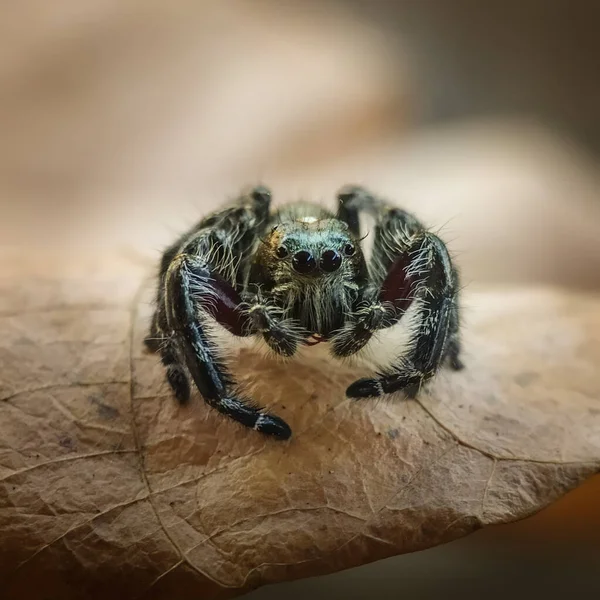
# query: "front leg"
198,282
411,265
381,307
195,293
383,303
435,287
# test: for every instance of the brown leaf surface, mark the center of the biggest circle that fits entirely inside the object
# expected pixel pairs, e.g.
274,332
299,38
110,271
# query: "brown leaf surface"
108,489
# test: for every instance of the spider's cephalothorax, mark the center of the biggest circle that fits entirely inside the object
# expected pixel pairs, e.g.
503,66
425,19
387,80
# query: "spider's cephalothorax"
312,267
299,276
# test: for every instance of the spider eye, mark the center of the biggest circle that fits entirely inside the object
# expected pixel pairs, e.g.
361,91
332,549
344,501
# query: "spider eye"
330,261
349,249
282,252
303,262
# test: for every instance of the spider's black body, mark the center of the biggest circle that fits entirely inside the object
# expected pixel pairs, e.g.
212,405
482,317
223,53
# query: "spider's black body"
296,276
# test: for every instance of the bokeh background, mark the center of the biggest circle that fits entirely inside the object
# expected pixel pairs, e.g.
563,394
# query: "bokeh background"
123,121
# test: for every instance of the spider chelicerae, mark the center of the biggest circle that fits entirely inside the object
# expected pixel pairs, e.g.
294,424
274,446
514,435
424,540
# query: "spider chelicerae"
298,276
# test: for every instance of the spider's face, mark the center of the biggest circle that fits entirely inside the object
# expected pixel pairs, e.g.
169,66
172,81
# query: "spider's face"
311,252
315,267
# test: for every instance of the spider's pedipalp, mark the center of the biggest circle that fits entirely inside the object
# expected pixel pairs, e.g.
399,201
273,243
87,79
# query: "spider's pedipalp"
281,335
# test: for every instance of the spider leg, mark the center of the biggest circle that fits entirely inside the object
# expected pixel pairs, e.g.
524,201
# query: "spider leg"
409,264
435,286
197,288
454,343
176,376
245,219
351,200
187,282
392,224
382,304
154,339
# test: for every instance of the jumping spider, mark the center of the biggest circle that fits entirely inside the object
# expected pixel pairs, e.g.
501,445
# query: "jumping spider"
298,276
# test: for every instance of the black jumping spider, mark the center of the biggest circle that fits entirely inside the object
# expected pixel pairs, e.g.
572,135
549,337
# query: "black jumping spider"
299,276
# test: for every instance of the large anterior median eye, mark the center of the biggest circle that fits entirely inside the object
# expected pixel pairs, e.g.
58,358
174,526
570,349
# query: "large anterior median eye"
282,252
330,261
303,262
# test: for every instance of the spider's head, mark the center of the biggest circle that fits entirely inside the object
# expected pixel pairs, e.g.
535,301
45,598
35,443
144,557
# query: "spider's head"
311,252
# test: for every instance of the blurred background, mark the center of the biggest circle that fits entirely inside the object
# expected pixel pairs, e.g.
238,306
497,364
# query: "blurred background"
123,122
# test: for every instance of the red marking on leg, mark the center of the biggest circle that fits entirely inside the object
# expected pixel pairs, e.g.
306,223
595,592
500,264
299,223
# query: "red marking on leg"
224,304
397,287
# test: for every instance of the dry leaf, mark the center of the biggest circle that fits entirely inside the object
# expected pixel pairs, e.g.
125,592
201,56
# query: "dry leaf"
108,489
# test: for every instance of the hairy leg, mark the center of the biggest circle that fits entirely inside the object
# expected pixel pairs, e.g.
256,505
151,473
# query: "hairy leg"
383,303
408,264
435,287
454,345
187,282
198,284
